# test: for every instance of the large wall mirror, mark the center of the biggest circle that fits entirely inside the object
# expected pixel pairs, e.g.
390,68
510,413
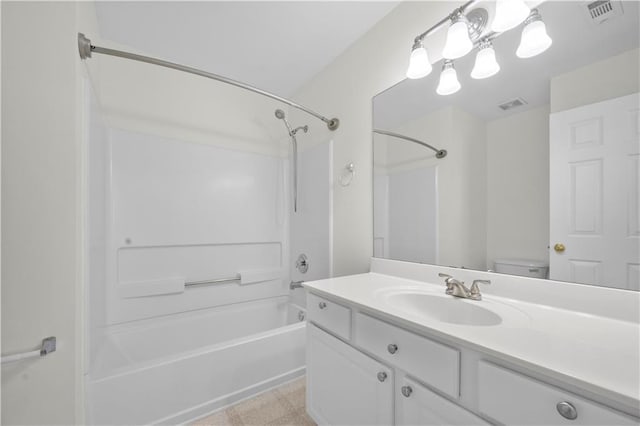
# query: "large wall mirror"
542,165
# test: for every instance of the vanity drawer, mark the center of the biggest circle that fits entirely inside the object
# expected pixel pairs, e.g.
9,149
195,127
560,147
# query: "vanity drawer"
512,398
329,315
417,405
434,363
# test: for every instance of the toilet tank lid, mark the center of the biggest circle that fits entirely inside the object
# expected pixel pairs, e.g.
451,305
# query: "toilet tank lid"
522,262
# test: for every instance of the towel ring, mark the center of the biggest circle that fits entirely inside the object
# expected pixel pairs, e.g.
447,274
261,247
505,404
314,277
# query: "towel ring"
347,174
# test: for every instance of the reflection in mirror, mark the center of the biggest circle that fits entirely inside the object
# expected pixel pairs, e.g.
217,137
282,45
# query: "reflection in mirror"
542,172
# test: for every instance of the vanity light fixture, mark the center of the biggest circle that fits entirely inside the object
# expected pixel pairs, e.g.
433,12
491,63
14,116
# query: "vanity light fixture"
486,64
509,14
535,39
419,65
458,41
449,83
466,31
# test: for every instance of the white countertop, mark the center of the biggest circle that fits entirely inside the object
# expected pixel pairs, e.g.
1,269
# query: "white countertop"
596,353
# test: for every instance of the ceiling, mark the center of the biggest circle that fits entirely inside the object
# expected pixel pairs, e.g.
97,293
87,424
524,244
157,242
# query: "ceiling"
275,46
577,41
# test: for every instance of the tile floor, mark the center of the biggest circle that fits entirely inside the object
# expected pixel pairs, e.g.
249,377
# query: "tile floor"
284,405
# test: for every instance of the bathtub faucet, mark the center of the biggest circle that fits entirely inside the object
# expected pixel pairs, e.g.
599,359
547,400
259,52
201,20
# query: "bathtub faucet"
295,284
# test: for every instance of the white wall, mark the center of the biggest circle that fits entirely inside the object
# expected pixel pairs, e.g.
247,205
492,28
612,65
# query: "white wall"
611,78
518,177
41,215
380,214
345,89
466,199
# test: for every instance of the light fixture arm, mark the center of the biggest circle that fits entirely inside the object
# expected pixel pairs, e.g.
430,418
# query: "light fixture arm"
446,20
534,15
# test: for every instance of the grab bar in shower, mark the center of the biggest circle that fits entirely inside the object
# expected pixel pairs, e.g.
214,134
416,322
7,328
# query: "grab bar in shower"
216,281
249,276
48,346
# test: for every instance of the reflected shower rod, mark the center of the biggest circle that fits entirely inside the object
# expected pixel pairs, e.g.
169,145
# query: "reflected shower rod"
440,153
85,49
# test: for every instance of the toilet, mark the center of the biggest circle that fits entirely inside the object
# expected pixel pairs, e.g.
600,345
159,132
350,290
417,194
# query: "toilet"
522,267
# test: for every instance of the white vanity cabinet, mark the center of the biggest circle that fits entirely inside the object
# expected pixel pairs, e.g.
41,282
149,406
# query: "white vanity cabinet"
417,405
532,402
329,315
344,386
364,369
429,361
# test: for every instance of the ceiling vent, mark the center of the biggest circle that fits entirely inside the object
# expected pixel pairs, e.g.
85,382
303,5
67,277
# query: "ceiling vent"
602,10
514,103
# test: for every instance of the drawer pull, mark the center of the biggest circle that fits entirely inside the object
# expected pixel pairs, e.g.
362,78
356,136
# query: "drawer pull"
406,391
322,305
567,410
392,348
382,376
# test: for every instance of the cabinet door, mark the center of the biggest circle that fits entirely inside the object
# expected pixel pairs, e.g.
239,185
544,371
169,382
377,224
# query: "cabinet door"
513,398
344,386
417,405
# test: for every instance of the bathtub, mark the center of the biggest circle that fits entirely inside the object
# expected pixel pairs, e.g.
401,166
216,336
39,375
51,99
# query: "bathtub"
179,368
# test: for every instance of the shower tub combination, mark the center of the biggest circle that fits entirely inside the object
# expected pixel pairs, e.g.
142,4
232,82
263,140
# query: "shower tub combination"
179,369
189,248
161,349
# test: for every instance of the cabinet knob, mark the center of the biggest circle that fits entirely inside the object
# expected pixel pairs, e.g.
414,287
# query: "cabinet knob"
382,376
406,391
392,348
567,410
322,305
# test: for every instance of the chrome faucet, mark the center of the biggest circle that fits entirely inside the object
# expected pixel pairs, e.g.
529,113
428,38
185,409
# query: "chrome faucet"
458,289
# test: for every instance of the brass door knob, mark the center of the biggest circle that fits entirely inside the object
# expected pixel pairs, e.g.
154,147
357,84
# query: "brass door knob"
559,247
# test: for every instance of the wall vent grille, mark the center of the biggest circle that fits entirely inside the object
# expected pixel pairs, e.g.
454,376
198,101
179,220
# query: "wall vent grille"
602,10
514,103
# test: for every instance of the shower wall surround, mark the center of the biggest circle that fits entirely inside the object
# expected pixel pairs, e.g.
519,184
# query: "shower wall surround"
311,226
190,212
164,212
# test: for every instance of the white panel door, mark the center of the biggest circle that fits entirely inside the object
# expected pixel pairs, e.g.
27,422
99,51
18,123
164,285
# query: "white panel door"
344,386
594,193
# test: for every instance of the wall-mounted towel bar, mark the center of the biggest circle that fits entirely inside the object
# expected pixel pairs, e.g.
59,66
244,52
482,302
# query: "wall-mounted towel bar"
216,281
48,346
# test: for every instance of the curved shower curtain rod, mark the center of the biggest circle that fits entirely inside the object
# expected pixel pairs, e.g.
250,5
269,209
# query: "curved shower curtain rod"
440,153
86,48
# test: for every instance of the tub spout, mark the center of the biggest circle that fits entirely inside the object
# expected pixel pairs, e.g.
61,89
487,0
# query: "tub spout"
295,284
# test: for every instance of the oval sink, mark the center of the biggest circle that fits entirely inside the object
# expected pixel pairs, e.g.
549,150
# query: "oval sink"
445,308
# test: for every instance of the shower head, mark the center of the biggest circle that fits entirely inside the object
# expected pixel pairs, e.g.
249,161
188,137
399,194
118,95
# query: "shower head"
280,114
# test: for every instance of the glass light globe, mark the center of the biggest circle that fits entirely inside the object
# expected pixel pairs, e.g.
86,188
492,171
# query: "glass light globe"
458,42
486,64
509,14
449,83
419,65
534,40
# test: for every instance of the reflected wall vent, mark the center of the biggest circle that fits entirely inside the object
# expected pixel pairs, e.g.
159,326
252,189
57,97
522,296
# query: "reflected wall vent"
602,10
513,103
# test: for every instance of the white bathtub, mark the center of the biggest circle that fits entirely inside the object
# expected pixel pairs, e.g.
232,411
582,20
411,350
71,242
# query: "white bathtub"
178,368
